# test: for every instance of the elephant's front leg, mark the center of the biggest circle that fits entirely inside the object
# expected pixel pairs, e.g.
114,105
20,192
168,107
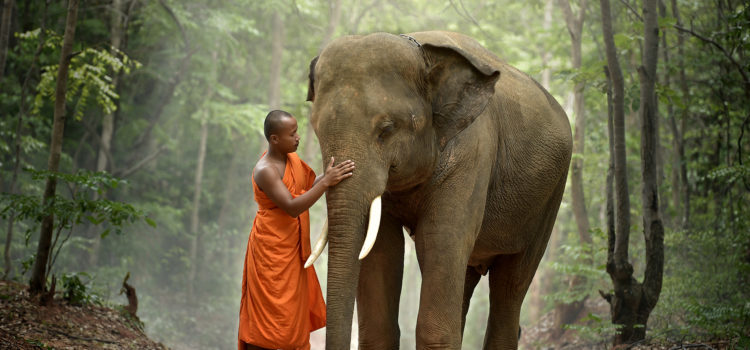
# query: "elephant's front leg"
379,288
444,241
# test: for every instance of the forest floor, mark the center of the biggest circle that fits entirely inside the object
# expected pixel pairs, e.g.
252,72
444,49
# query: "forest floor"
26,325
542,335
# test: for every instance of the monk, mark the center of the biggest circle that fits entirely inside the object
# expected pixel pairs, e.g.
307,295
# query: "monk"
281,300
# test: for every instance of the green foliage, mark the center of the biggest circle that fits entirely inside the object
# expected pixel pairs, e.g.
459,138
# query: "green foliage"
72,210
89,77
76,291
580,261
703,294
133,322
730,174
593,328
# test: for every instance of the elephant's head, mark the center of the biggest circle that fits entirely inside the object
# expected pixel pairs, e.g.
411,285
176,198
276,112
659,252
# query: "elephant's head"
392,105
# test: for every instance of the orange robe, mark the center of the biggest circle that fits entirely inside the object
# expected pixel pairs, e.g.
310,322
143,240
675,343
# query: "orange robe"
281,300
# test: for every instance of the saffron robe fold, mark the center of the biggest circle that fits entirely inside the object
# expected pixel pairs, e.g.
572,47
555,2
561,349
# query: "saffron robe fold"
281,300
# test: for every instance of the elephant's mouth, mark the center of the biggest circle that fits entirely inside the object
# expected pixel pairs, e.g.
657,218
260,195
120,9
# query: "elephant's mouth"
376,209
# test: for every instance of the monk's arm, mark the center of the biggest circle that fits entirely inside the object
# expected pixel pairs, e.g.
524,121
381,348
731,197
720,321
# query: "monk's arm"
270,182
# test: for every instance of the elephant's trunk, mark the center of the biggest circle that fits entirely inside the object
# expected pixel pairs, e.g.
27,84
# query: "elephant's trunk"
346,224
348,208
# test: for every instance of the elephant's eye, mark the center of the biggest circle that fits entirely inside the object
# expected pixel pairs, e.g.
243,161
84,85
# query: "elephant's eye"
385,130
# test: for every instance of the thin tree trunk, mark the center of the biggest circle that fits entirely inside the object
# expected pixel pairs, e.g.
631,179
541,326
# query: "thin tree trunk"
277,51
231,183
676,135
195,217
108,122
39,275
334,17
620,270
17,139
356,19
685,189
568,312
609,188
546,55
653,228
5,34
228,195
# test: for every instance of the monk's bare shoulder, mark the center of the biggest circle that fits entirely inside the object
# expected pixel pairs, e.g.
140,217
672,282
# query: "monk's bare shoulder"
265,174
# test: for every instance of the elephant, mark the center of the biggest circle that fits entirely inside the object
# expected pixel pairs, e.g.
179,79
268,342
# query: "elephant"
464,152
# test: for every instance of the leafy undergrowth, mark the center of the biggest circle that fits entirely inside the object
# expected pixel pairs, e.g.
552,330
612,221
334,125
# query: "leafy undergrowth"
595,333
26,325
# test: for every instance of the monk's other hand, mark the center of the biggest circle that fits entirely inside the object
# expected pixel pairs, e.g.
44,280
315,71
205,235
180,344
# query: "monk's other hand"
335,173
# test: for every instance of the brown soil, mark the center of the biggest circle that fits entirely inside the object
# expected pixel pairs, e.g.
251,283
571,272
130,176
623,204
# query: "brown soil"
26,325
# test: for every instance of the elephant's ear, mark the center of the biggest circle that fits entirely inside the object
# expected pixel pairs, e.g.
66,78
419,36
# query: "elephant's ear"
460,85
311,76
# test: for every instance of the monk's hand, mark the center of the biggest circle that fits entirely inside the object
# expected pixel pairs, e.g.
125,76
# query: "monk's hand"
335,173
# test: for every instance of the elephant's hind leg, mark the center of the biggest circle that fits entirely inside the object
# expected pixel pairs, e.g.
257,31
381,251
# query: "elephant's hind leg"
511,275
472,278
506,296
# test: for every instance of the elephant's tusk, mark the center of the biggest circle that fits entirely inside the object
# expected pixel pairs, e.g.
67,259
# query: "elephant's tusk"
372,227
319,245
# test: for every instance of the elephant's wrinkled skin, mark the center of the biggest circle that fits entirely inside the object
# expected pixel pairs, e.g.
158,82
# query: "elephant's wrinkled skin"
469,154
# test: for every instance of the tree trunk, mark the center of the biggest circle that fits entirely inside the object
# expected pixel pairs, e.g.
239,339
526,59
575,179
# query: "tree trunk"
680,141
231,183
653,228
676,138
230,192
334,17
609,187
626,287
5,34
39,275
568,312
194,217
17,139
103,162
546,55
277,50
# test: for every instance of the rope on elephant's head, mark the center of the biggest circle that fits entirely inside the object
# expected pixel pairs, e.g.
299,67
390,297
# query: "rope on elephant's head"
412,40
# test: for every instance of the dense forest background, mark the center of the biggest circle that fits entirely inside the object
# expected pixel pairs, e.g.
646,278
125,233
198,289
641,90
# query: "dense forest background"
164,103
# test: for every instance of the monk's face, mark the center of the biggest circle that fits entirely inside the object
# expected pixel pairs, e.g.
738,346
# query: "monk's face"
287,139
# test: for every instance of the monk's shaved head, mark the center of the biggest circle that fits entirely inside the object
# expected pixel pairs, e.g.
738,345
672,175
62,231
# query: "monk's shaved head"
273,122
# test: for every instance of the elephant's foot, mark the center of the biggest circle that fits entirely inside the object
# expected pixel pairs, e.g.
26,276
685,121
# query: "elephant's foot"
437,338
438,346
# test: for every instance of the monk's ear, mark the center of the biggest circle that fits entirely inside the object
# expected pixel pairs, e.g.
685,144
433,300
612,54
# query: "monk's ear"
311,83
